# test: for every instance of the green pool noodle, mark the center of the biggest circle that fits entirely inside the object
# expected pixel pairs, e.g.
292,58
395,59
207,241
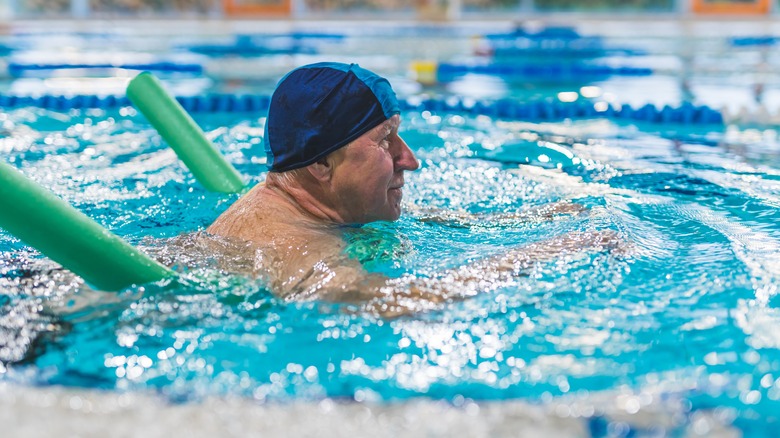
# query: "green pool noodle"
70,238
183,135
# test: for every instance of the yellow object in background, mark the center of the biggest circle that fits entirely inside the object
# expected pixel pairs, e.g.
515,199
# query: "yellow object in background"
425,71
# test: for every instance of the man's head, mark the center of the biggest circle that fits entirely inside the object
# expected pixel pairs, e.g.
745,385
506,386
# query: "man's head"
335,127
319,108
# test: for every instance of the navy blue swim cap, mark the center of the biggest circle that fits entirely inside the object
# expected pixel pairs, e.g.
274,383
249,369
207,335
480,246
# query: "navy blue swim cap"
322,107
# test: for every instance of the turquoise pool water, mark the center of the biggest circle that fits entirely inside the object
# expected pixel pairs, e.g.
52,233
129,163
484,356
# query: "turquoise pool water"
682,318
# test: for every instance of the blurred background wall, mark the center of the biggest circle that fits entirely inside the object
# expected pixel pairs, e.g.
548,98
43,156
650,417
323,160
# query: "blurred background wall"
419,9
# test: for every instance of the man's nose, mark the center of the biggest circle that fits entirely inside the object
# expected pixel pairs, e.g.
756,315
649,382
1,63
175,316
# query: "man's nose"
405,160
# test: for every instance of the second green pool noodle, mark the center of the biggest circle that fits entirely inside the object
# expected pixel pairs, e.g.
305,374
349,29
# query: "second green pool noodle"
183,135
70,238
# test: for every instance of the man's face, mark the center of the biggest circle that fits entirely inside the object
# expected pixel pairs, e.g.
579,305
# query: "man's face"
368,174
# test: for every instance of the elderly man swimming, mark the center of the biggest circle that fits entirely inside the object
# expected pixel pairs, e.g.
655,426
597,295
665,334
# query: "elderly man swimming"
336,159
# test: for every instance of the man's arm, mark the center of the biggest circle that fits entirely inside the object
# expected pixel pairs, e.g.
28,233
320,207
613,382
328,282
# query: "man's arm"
345,280
462,219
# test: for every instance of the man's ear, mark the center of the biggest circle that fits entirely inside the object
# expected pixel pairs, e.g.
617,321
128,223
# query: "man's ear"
321,170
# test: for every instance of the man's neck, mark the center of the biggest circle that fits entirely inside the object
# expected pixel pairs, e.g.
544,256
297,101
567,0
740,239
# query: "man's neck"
308,201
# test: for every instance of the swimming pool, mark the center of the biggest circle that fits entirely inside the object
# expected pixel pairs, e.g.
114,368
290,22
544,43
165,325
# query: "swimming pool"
671,335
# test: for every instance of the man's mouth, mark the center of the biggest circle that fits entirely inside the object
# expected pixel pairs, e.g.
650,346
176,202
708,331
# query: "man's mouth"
398,186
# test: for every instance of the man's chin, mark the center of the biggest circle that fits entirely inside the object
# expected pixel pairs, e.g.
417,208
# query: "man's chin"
392,215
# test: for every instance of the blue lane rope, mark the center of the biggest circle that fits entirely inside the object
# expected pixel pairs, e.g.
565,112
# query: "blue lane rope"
754,41
17,69
565,52
552,42
547,33
247,45
540,110
248,51
547,71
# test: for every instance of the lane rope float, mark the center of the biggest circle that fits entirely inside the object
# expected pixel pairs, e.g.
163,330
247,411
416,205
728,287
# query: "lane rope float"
183,135
67,236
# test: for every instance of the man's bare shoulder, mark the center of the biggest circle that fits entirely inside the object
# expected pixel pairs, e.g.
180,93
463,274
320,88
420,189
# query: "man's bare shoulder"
261,216
289,243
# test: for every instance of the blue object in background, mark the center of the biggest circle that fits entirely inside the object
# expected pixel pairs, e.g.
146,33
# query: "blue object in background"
6,50
261,45
552,42
754,41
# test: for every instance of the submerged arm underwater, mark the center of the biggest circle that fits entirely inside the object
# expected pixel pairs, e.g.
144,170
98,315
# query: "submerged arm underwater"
348,282
301,262
461,219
